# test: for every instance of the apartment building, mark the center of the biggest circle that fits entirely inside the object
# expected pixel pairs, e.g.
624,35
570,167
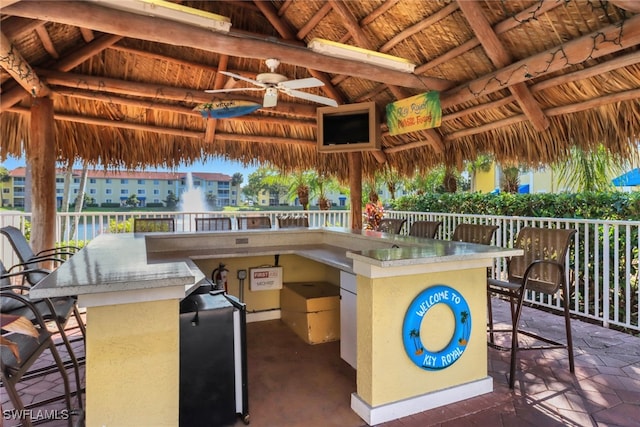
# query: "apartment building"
116,187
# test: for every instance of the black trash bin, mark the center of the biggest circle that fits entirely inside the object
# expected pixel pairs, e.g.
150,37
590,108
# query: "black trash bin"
213,369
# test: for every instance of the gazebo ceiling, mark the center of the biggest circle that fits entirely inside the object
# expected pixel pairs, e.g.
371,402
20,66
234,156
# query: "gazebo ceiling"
521,80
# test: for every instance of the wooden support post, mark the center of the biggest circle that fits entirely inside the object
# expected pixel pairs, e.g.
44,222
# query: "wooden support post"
355,186
41,156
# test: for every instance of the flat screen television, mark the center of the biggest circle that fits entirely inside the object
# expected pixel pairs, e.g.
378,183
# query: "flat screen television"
351,127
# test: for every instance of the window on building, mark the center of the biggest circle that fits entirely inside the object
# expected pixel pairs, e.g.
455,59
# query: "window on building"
108,191
156,182
92,191
76,180
108,180
107,200
196,183
92,181
124,181
156,191
142,191
170,182
59,180
124,191
141,181
75,191
59,190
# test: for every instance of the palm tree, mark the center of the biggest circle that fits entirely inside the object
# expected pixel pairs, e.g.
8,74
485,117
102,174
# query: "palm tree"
4,177
588,170
450,180
414,334
300,187
510,179
391,179
236,179
464,315
481,164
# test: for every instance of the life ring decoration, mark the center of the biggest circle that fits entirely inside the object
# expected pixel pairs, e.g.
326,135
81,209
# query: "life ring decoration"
434,361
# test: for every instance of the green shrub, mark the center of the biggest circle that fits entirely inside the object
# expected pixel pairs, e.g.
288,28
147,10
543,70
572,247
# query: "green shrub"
606,206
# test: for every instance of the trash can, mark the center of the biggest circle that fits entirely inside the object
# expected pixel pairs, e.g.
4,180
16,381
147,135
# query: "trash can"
213,370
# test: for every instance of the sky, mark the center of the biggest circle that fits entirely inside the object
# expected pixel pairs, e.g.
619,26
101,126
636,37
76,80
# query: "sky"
217,165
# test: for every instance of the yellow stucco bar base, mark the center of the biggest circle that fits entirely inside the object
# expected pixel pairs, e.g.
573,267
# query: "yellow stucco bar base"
414,405
389,384
132,378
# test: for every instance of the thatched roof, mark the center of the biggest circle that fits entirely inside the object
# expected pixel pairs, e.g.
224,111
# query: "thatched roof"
522,80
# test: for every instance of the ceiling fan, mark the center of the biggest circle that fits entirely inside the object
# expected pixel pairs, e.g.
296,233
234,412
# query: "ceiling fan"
272,83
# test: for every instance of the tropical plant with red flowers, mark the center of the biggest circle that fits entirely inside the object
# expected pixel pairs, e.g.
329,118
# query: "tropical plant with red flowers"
373,213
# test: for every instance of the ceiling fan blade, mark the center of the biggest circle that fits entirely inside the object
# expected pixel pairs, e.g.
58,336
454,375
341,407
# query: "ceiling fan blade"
301,83
270,98
234,89
239,77
311,97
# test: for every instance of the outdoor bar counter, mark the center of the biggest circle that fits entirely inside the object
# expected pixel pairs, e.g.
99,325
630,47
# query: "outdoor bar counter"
421,313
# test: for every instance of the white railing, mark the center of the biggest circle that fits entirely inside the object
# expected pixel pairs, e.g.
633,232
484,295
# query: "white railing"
604,259
604,262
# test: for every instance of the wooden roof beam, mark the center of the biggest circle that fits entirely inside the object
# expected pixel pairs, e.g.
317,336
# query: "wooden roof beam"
500,57
172,108
603,42
287,33
13,62
104,19
432,136
158,92
15,27
508,24
315,19
358,35
77,57
170,131
420,26
626,96
284,31
46,41
218,83
630,5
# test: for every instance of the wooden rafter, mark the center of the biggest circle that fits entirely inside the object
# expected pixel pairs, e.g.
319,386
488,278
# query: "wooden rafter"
13,96
350,22
159,93
14,64
265,139
288,34
555,111
177,109
317,17
603,42
420,26
174,33
501,58
630,5
218,83
46,41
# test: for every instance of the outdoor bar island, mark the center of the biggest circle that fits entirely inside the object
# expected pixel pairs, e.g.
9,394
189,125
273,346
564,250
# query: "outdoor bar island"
420,321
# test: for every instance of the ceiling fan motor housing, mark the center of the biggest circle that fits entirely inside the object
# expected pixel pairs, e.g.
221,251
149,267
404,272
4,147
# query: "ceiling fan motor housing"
271,78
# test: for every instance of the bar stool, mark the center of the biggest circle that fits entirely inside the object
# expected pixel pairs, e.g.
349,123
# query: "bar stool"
542,270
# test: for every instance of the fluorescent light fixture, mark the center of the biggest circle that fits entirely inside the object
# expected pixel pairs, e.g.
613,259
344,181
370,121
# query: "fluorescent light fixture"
345,51
172,11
